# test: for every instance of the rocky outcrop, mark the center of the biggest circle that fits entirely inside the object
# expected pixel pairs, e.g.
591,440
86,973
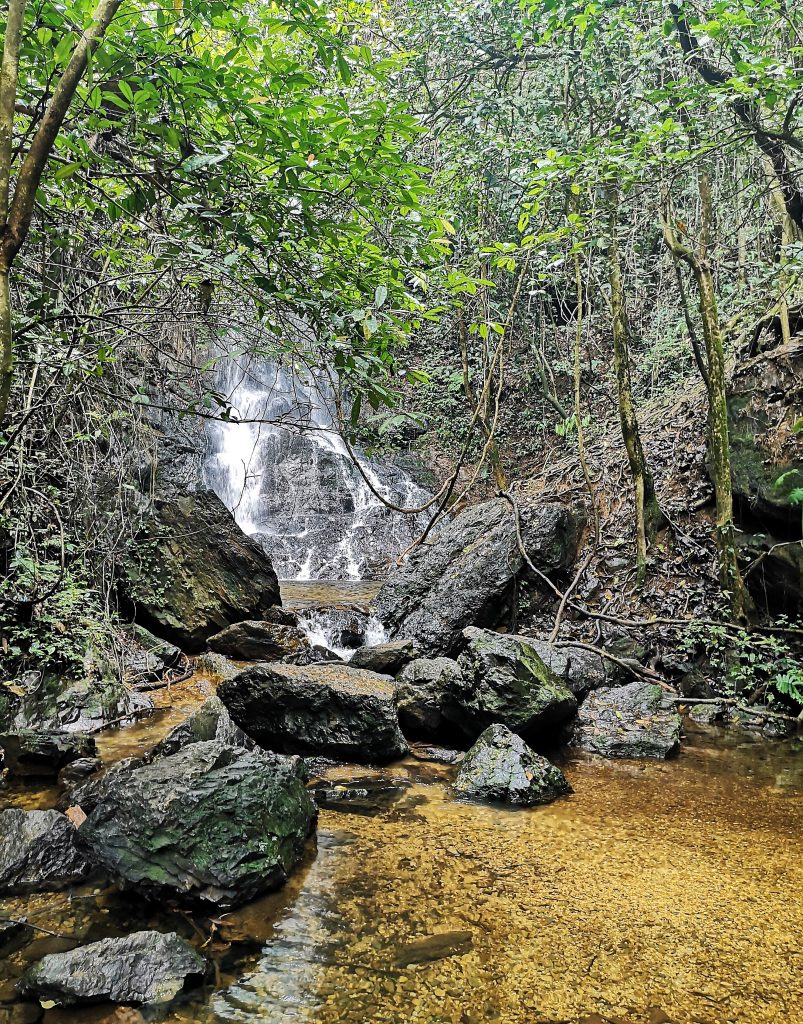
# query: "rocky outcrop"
501,768
503,680
425,691
26,752
329,710
465,576
638,720
195,572
39,851
261,641
386,659
213,822
149,968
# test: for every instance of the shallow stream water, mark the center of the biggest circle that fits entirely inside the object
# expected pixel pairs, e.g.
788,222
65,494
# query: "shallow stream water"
656,892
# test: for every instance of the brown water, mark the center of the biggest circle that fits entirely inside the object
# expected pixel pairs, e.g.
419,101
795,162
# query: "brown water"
656,892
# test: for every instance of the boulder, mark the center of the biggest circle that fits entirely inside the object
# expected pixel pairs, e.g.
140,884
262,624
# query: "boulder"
260,641
213,822
39,851
638,720
501,768
707,714
503,680
146,967
579,670
195,572
328,710
211,721
386,659
217,665
465,576
77,771
424,690
30,753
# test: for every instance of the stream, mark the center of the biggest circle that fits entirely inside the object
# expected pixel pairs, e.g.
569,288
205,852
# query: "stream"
658,891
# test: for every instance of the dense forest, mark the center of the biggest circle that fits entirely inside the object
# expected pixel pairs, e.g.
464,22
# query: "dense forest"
401,421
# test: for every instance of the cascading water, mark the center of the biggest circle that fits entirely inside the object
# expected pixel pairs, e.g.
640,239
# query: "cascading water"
282,468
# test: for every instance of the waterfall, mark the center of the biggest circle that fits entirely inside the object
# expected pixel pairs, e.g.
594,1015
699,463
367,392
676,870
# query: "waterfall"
282,468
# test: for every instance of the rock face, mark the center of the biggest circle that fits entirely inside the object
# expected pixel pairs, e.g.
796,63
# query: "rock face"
196,572
503,680
424,692
330,710
466,575
260,641
39,851
638,720
143,968
501,768
43,754
212,822
386,659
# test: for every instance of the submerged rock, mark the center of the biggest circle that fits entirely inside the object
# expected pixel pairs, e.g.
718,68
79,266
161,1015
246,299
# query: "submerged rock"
30,753
211,822
143,968
638,720
501,768
386,659
424,691
197,572
503,680
328,710
39,851
465,576
260,641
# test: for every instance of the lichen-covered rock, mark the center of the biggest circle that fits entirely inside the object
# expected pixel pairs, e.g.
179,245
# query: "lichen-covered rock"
386,659
466,575
501,768
211,721
211,822
329,710
30,753
39,851
503,680
196,572
260,641
638,720
146,967
424,690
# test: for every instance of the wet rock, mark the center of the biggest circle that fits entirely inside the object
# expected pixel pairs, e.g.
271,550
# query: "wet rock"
196,572
386,659
54,704
434,947
39,852
329,710
638,720
438,755
281,616
30,753
146,967
501,768
579,670
260,641
466,575
503,680
368,797
168,654
212,822
425,687
211,721
79,770
768,725
217,665
707,714
14,935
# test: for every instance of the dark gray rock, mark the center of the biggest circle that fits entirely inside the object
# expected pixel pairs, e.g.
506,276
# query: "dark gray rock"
707,714
386,659
195,572
425,688
217,665
503,680
146,967
14,935
465,576
260,641
39,851
368,797
757,722
281,616
328,710
211,721
638,720
579,670
212,822
79,770
30,753
501,768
